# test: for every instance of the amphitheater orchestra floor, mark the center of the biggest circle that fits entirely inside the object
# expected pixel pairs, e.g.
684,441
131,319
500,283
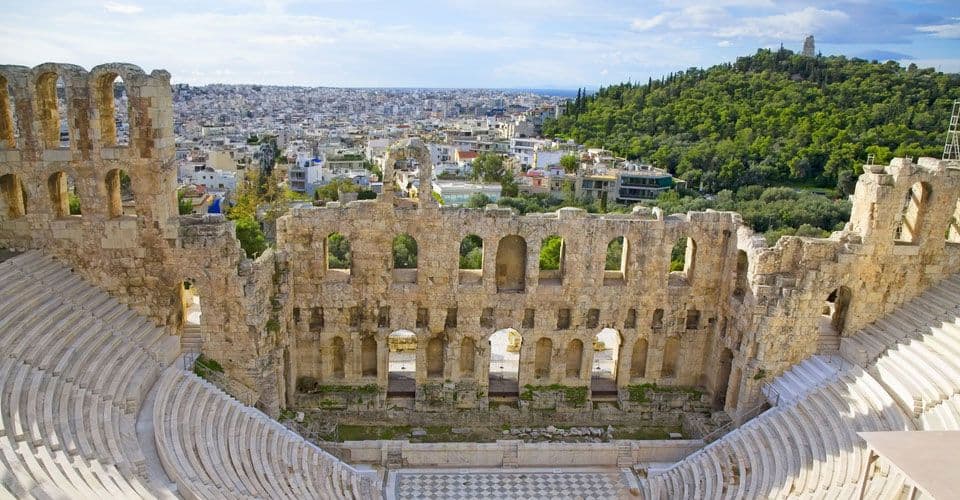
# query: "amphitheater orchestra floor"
502,484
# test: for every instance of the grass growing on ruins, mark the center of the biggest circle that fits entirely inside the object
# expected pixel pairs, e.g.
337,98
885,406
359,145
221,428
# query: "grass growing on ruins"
642,433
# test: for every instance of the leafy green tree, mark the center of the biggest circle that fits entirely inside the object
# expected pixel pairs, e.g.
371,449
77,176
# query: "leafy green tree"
478,200
338,252
678,255
331,191
771,118
488,167
404,252
251,237
471,252
184,205
508,186
614,255
570,163
550,253
74,203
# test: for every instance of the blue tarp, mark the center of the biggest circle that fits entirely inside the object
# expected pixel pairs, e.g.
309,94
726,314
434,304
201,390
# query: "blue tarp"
214,207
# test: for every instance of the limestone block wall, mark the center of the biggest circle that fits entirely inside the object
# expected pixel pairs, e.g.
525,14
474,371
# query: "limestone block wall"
141,250
741,311
353,303
121,247
791,282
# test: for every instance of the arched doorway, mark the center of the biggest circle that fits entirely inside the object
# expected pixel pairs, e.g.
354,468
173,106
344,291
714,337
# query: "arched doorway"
402,363
723,379
191,340
504,375
833,315
606,357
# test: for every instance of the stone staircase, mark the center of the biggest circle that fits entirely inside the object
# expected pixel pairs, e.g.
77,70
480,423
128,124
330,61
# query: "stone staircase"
191,340
511,454
625,455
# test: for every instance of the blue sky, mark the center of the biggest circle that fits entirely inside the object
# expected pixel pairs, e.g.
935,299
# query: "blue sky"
463,43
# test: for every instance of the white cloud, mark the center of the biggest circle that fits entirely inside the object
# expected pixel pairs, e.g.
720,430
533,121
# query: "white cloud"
122,8
951,30
297,40
724,43
791,25
647,24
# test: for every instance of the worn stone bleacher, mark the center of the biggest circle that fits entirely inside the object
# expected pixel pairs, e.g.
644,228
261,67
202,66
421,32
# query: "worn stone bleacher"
807,445
75,368
214,447
914,353
901,372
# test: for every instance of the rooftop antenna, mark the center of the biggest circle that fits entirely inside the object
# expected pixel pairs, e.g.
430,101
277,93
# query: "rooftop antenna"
951,149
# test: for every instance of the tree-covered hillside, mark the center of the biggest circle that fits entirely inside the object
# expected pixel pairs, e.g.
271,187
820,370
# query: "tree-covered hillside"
771,118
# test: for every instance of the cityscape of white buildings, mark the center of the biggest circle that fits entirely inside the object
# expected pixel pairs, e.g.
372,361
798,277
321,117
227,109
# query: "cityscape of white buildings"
320,134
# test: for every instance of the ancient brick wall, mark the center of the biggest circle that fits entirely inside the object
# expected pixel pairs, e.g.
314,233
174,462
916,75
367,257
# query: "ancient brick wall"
740,313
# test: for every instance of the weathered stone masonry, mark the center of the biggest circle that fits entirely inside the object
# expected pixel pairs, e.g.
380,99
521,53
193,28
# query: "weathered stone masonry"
742,312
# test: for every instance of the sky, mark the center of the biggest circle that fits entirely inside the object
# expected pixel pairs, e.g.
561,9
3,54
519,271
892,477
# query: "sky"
463,43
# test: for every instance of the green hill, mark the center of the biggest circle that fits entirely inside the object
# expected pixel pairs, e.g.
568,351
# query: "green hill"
773,118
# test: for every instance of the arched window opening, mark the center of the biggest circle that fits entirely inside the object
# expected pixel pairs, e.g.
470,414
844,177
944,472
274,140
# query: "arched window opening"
401,363
471,259
338,253
683,257
910,220
723,379
574,358
471,252
511,268
52,101
740,286
541,361
953,229
14,196
404,259
504,375
551,260
606,357
638,359
671,352
368,356
9,130
119,193
833,318
468,357
615,265
436,353
113,105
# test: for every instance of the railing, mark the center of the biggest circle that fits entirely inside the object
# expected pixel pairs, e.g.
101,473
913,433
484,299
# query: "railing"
331,447
192,363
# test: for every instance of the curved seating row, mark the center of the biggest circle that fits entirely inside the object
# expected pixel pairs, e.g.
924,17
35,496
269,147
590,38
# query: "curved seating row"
915,353
805,447
76,365
214,447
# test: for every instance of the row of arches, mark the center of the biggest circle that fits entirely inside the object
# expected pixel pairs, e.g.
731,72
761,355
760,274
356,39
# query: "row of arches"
511,258
506,353
52,98
65,200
